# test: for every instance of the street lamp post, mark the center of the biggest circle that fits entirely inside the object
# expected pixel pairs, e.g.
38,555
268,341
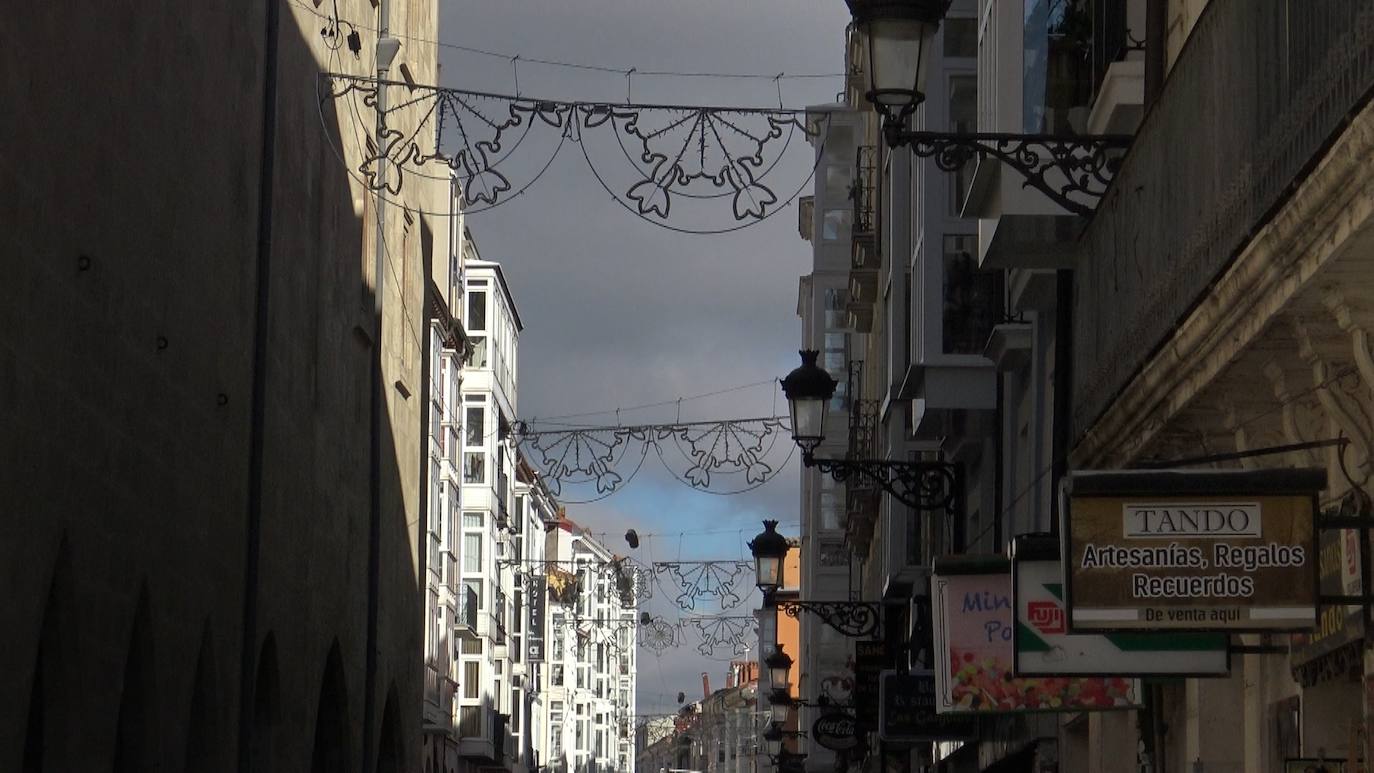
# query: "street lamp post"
899,35
779,665
854,619
919,485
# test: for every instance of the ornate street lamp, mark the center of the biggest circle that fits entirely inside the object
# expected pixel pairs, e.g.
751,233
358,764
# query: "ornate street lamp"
773,738
779,664
779,703
899,35
769,549
854,619
919,485
808,390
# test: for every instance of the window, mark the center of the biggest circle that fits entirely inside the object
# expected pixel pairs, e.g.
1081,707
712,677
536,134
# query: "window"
557,677
475,427
474,467
835,224
480,358
963,118
836,317
436,492
830,504
436,616
961,37
838,179
472,551
973,298
470,721
477,311
1057,76
472,679
473,603
835,359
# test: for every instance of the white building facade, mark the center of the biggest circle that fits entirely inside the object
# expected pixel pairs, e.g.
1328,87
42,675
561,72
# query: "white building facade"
589,693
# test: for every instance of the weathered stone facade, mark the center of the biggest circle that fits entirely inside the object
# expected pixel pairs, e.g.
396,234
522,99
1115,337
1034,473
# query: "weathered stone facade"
172,605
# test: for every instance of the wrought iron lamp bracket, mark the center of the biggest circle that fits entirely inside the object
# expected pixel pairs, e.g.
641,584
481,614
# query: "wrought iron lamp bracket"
919,485
1085,163
854,619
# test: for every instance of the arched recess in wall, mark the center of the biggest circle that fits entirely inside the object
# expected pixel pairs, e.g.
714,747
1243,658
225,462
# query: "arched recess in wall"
54,684
204,733
389,738
331,718
266,709
137,730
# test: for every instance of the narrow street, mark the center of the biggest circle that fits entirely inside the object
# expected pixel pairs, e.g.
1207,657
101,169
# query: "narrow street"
687,386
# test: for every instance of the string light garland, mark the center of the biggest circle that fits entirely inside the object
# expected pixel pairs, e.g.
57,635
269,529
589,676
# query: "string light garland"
685,167
727,456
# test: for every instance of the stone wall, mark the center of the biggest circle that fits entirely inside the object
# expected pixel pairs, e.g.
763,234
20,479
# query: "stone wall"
129,218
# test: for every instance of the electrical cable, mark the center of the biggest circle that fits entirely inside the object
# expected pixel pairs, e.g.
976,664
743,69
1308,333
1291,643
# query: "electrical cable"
579,65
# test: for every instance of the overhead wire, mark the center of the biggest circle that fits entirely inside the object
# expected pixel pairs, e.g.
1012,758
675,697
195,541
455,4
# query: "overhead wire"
645,73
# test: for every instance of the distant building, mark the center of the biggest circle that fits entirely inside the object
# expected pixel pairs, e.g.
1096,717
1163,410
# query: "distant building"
589,694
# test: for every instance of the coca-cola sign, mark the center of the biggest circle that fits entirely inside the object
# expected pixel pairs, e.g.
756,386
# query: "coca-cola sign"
836,732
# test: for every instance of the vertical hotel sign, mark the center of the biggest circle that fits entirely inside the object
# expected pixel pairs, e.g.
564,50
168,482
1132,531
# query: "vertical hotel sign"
1191,551
538,603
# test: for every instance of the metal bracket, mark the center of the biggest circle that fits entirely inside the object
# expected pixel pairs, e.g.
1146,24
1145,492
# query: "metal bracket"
1085,163
918,485
854,619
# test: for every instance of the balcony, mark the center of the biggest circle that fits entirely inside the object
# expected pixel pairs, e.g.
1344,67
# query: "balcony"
482,734
865,258
440,692
867,206
469,605
861,496
950,376
1191,194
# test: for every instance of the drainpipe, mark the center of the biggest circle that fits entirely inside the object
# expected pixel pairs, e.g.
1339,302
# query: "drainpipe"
387,47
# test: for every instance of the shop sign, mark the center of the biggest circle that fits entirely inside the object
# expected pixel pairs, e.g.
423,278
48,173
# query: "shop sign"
871,658
908,712
1044,646
836,732
534,636
1185,551
975,659
1338,570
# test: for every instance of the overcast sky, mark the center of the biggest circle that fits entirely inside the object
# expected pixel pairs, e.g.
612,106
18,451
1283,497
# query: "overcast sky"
619,312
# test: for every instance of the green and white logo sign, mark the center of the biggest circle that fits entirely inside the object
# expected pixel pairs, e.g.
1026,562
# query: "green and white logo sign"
1044,646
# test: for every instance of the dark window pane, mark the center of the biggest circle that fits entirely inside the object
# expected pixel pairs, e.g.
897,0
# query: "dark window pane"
477,312
961,37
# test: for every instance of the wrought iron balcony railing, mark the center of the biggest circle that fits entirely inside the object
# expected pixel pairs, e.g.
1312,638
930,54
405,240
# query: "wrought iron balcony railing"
864,192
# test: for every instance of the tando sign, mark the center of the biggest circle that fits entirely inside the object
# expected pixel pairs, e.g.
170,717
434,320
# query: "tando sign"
1189,551
1188,519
